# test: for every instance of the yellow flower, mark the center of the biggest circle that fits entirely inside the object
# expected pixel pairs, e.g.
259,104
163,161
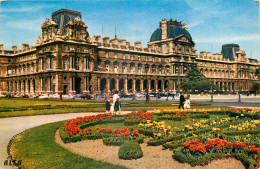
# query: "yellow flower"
239,128
242,114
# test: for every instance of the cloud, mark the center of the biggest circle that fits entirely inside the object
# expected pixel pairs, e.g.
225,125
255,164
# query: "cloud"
33,25
226,39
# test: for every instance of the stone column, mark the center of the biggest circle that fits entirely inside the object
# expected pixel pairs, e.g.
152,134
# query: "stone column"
108,85
31,89
117,84
26,86
70,62
73,82
125,85
98,81
149,84
163,85
133,85
142,85
84,63
85,84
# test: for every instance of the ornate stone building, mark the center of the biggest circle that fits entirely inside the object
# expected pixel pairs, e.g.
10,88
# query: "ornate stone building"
65,59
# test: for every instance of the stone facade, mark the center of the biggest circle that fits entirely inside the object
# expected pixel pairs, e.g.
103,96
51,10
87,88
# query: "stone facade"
65,59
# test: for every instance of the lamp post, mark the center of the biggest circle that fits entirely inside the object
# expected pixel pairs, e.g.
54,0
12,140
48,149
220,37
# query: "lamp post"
167,90
239,97
147,86
211,91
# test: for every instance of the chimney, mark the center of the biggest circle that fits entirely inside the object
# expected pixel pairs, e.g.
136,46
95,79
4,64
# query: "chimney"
14,48
98,38
114,41
163,25
1,47
122,42
25,47
106,40
138,44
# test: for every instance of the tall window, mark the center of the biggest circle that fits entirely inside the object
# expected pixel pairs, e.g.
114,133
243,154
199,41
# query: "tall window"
76,63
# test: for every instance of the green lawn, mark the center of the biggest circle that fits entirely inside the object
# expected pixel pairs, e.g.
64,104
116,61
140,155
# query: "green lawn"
26,107
37,148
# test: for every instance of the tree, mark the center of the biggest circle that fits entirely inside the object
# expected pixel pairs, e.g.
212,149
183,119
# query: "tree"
257,73
255,88
195,80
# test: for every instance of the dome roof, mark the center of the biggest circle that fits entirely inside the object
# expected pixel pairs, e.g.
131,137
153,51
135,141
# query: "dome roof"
173,30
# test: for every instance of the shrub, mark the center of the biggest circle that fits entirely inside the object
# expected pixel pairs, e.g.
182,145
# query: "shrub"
130,150
180,157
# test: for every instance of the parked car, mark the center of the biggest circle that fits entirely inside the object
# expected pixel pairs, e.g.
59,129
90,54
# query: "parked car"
140,95
152,94
25,96
70,96
8,96
100,96
45,96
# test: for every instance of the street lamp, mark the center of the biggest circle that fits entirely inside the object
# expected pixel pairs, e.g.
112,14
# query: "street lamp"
167,90
147,86
239,97
211,91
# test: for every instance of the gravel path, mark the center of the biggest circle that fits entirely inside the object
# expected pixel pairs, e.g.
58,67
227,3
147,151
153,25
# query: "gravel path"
14,125
154,157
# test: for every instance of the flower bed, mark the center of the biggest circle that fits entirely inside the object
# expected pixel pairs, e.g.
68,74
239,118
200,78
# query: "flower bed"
195,152
197,136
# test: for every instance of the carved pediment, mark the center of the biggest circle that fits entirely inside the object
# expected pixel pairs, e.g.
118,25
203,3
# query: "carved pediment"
182,38
77,22
48,23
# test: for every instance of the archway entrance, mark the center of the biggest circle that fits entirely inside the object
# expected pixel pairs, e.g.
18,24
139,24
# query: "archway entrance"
103,84
137,85
159,85
77,85
121,84
129,85
152,84
112,84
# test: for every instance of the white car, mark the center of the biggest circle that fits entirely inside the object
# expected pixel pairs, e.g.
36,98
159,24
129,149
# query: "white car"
140,95
45,96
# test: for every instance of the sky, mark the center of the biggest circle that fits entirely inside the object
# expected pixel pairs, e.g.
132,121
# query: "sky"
211,23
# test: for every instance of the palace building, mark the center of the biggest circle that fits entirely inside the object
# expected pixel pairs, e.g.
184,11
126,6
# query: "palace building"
66,59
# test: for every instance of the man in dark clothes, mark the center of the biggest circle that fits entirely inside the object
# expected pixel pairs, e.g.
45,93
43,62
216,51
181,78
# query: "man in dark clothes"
117,105
182,100
108,105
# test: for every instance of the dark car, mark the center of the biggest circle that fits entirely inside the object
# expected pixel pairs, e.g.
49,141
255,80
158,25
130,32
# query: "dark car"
85,96
8,96
25,96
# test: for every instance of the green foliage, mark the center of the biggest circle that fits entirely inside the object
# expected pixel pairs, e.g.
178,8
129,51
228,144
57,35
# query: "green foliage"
257,73
130,150
255,88
195,80
36,148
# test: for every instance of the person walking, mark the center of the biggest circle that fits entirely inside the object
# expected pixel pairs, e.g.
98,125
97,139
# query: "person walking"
115,97
182,99
108,106
117,105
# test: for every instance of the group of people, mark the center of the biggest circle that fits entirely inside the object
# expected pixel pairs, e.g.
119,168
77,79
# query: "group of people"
184,101
116,104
